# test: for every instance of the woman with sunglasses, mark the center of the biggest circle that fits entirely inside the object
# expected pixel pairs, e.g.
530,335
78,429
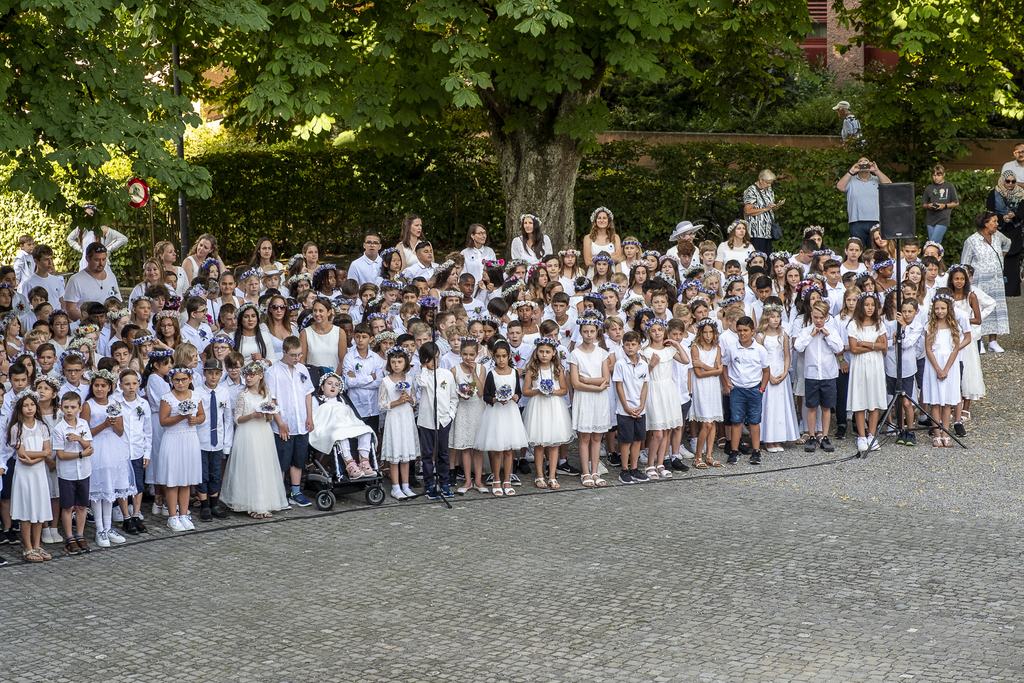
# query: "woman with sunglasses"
1005,200
279,323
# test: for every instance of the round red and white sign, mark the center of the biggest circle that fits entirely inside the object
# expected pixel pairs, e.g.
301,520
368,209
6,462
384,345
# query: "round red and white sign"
138,192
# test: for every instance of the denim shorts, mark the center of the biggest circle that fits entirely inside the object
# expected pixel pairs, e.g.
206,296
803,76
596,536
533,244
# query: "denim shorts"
293,452
631,429
745,405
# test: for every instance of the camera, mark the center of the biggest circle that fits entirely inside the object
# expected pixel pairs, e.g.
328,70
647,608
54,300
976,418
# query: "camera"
863,166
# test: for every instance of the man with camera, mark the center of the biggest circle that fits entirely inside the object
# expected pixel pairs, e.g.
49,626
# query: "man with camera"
860,184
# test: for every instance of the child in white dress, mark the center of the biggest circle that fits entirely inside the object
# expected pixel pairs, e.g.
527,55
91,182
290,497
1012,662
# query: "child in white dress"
501,426
778,423
546,418
401,443
29,438
112,477
469,378
663,411
942,344
868,343
590,374
180,464
706,358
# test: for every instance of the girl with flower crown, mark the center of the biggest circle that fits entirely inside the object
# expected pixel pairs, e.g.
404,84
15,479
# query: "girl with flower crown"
252,478
868,342
546,418
180,463
590,372
29,438
501,431
401,443
942,344
469,380
568,268
663,413
631,250
112,476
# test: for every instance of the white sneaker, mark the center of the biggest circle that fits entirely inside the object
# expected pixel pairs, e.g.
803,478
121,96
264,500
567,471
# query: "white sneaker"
164,511
115,536
981,348
994,347
115,514
601,469
529,457
55,536
174,524
875,446
102,540
396,493
186,523
862,444
685,454
643,457
138,515
693,445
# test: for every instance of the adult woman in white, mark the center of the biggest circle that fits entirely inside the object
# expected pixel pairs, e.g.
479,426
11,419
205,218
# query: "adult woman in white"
276,322
252,338
166,255
205,247
985,250
152,274
81,239
264,257
532,244
602,238
736,246
323,344
477,251
412,234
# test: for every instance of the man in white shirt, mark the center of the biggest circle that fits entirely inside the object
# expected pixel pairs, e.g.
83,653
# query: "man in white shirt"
95,283
851,126
424,267
1017,165
53,284
288,381
434,420
366,268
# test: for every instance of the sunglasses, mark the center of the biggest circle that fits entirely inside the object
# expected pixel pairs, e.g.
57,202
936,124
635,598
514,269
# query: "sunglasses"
1011,181
278,307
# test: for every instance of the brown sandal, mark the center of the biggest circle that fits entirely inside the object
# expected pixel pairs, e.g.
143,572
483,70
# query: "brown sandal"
699,464
711,461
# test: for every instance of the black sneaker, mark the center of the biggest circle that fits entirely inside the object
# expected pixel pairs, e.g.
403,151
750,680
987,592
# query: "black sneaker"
910,439
3,561
925,421
216,510
524,466
514,480
128,526
140,526
639,476
625,477
841,432
679,465
901,440
457,474
12,536
734,457
566,468
826,445
3,537
431,493
745,449
958,429
414,483
811,445
615,460
205,514
755,457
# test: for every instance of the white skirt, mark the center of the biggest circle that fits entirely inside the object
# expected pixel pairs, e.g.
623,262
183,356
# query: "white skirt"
591,413
501,429
252,479
401,442
547,422
664,411
778,414
30,494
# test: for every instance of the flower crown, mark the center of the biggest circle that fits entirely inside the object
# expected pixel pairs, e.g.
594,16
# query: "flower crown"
291,261
887,263
730,301
196,290
4,285
450,293
732,279
516,305
395,350
247,306
328,375
942,297
569,251
706,291
602,257
294,307
296,279
823,252
159,353
26,393
772,308
667,279
54,382
86,329
546,341
376,316
633,301
814,230
223,339
776,255
651,252
594,296
253,367
427,302
81,341
105,374
863,295
341,301
444,266
117,315
706,322
493,264
956,266
384,336
630,240
581,284
486,319
513,264
388,252
536,220
593,214
24,354
319,269
806,293
580,322
209,262
698,300
55,312
173,314
654,321
466,340
512,286
754,254
306,322
181,369
252,272
732,226
74,353
141,297
610,287
929,243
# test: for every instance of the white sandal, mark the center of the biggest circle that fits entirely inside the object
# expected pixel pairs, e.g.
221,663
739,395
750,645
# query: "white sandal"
587,480
652,473
663,472
599,482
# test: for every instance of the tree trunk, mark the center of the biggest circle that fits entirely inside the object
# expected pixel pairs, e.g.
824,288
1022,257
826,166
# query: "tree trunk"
538,166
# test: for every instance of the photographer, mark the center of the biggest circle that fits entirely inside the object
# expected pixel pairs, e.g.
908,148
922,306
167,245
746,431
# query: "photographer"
860,184
939,200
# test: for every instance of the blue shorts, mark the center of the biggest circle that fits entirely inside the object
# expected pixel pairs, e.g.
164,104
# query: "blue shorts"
820,393
745,405
907,384
293,452
631,429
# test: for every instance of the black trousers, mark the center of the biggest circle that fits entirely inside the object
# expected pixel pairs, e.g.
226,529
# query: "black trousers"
435,453
763,245
842,387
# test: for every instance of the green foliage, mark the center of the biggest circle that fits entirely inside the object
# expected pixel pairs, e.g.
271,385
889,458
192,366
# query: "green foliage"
959,63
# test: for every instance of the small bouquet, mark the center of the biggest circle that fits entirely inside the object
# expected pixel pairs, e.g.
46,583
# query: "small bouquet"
504,394
139,411
547,386
402,386
269,407
467,389
187,408
114,409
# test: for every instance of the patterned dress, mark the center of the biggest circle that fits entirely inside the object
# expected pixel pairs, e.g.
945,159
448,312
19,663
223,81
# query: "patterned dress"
987,259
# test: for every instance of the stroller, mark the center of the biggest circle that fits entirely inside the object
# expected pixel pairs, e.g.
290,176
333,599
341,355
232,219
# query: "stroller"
337,422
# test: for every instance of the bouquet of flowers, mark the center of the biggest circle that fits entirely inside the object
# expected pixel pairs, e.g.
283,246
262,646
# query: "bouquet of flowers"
402,386
269,407
187,407
504,393
114,409
547,386
467,389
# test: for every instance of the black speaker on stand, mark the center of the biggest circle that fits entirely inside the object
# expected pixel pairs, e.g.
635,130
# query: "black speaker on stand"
897,220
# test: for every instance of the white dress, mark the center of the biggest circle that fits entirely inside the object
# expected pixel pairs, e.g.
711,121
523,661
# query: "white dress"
51,476
501,426
867,372
334,421
401,441
972,382
944,392
112,474
466,422
546,418
322,349
252,479
778,413
30,491
663,408
706,392
180,462
590,409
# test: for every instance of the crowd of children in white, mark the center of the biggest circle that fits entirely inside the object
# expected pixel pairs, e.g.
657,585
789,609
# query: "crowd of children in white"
210,387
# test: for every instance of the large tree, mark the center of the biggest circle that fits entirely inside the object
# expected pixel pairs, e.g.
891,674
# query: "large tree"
388,69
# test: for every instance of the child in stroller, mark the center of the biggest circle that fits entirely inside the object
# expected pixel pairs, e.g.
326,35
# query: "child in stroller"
335,423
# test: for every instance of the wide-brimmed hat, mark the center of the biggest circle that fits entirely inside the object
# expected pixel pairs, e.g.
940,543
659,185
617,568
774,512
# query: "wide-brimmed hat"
682,228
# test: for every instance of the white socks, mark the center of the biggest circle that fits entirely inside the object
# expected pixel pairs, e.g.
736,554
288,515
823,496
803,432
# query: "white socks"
102,512
408,491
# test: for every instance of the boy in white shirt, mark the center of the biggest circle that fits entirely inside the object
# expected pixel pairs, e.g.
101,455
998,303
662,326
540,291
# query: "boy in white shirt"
196,331
436,412
745,369
363,371
630,377
215,437
71,439
23,263
822,346
138,432
288,382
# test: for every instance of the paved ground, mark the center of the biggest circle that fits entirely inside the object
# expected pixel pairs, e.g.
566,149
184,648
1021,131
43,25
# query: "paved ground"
903,567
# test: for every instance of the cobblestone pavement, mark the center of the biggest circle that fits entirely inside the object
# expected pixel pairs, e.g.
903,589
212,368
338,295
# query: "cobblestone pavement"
903,567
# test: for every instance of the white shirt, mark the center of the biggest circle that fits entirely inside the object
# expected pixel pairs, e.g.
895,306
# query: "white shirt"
225,418
364,270
521,251
290,385
745,363
475,260
75,469
913,341
24,265
632,378
363,388
819,351
53,284
84,287
417,269
447,398
1017,169
138,429
199,338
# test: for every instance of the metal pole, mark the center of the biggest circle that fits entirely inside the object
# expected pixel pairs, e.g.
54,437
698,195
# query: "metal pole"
182,201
